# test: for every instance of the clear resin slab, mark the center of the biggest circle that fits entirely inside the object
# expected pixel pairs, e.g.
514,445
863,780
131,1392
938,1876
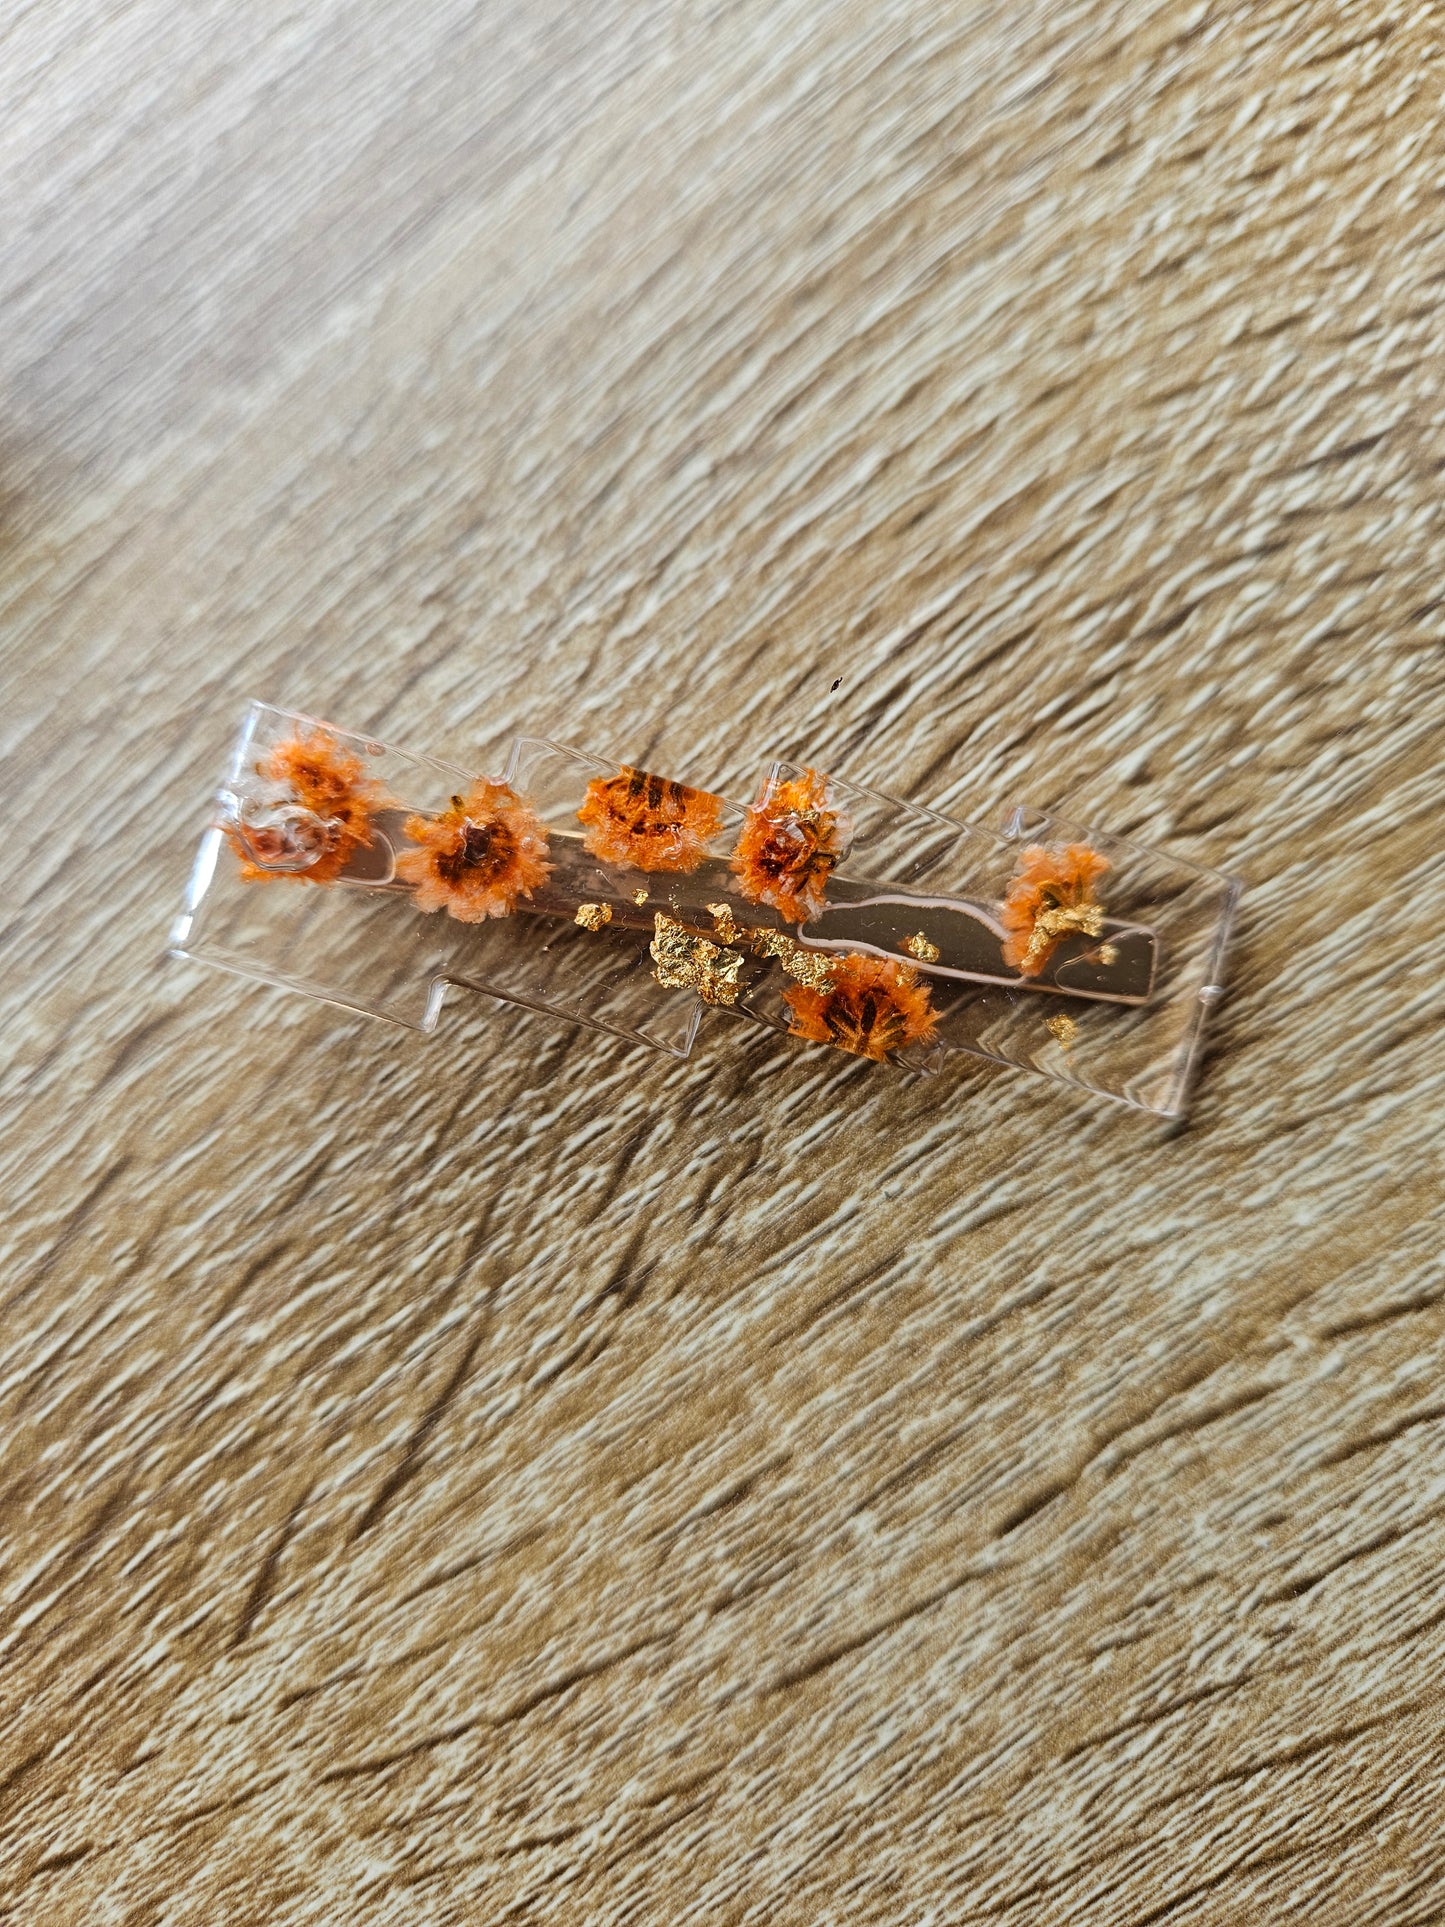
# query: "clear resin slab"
619,898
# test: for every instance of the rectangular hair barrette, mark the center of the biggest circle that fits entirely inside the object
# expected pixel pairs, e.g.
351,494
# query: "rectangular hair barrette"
626,900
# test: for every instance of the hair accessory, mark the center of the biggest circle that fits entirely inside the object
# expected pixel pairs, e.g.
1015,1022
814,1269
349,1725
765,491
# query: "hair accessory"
627,900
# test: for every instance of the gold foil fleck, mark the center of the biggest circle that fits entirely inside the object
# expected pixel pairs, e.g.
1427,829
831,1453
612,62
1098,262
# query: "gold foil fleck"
919,946
639,897
1108,953
685,962
805,966
1065,1028
728,929
592,916
1059,920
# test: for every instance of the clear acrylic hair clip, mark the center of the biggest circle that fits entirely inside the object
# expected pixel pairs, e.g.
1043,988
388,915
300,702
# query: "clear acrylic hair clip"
626,900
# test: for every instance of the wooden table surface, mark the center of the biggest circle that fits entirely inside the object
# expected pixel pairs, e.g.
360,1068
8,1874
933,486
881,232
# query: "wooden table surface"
514,1476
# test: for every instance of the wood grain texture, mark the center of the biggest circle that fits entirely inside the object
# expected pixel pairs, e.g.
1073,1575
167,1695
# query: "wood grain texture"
515,1477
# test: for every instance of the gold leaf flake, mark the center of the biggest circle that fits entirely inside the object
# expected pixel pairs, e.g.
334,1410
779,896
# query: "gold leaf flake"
1063,1027
639,897
592,916
728,930
1058,921
685,962
919,946
810,967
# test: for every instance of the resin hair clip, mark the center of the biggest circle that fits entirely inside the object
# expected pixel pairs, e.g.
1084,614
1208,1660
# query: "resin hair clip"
629,901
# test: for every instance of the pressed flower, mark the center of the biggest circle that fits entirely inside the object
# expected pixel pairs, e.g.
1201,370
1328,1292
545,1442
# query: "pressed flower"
790,846
1050,897
477,858
872,1005
648,822
323,819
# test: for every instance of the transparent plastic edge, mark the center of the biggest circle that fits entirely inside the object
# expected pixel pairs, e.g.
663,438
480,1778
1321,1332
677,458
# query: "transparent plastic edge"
1208,998
237,967
583,1022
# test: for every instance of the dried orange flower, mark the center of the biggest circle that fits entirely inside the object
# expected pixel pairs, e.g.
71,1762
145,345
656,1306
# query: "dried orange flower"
790,845
314,835
1051,896
872,1005
477,858
648,822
